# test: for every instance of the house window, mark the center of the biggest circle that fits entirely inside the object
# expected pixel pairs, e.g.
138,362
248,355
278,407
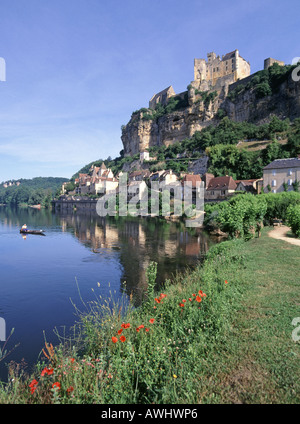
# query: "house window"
290,172
274,191
273,172
273,183
290,181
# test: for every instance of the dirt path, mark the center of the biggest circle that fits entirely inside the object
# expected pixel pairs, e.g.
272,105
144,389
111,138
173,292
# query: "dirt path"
280,233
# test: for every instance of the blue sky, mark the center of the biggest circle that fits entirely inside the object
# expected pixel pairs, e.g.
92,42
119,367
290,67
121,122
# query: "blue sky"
76,69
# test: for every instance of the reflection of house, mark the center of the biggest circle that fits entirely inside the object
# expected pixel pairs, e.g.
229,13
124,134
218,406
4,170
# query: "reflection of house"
250,186
280,172
220,188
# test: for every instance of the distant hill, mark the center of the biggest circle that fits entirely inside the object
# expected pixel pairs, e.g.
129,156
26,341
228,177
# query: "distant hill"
39,190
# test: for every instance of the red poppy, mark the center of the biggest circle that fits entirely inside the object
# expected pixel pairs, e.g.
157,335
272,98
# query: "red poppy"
114,339
56,385
157,300
122,339
183,300
72,360
147,329
199,299
151,320
120,331
32,386
193,295
226,282
70,389
181,304
190,299
48,371
162,295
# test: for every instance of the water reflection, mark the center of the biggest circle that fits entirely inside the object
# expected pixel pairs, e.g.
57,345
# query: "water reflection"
140,241
137,241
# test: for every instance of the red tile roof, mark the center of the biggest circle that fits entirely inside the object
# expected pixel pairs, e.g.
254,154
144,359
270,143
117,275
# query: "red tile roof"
222,183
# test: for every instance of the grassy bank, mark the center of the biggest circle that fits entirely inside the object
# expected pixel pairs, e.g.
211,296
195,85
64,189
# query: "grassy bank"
219,334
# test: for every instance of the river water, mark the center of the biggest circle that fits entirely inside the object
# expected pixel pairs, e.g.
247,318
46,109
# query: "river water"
80,257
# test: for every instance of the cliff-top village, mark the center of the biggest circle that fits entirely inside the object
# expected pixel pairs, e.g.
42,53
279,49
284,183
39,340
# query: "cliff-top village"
216,73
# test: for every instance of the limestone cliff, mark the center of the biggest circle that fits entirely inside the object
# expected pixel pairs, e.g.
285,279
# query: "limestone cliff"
239,101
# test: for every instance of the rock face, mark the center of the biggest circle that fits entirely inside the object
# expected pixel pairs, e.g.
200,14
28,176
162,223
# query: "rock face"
142,132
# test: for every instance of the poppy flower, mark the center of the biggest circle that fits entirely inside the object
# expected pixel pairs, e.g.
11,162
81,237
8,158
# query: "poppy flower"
70,389
72,360
151,320
157,300
141,326
226,282
190,299
32,386
162,295
181,304
56,385
48,371
193,295
125,325
120,331
147,329
183,300
122,339
114,339
198,298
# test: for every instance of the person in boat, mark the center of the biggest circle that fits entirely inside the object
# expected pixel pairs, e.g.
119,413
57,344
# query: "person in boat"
24,227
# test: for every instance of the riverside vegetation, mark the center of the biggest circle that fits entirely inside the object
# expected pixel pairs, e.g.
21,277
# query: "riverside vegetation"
219,334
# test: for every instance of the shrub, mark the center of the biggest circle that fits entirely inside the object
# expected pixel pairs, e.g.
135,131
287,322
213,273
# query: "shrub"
293,218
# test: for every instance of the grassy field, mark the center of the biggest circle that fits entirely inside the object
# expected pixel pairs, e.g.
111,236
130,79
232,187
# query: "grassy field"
219,334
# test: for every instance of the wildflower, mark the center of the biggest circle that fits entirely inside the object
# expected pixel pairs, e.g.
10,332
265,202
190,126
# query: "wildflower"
72,360
174,375
48,371
157,300
120,331
32,386
114,339
125,325
147,329
190,299
70,389
56,385
199,298
226,282
151,320
181,304
193,295
122,339
163,295
183,300
141,326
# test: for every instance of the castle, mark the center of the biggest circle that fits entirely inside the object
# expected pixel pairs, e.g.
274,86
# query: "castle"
216,72
213,74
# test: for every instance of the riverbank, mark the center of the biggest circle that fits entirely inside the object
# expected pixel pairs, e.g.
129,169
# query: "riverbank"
219,334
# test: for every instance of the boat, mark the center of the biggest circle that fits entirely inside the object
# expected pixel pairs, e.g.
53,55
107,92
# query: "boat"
37,232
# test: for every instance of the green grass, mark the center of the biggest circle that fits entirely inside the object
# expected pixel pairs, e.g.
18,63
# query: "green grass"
235,346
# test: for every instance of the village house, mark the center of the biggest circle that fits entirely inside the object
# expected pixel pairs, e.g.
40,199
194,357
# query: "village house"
192,181
249,186
281,173
220,188
139,175
99,180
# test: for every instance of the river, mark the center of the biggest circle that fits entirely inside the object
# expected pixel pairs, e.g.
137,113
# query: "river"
79,258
